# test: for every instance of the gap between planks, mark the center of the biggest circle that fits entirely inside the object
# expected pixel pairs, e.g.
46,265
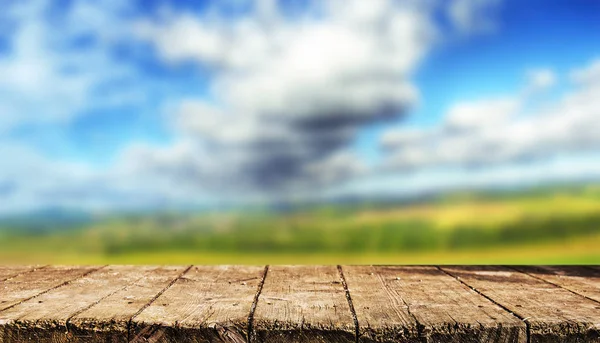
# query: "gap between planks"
80,311
524,320
51,288
17,274
249,336
250,319
350,304
348,295
552,283
178,277
154,299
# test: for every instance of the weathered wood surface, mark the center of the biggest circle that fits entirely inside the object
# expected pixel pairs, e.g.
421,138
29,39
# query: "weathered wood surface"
49,316
303,304
10,272
108,320
28,285
299,304
206,304
398,304
579,280
552,313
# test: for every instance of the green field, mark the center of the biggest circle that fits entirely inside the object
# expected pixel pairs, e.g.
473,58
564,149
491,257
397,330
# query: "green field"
558,226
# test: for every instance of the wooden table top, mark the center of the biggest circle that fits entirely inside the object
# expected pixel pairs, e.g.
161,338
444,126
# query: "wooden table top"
299,304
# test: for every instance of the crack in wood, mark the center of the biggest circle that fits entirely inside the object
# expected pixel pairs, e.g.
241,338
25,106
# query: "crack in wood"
153,300
23,272
350,304
295,303
492,300
53,288
551,283
250,335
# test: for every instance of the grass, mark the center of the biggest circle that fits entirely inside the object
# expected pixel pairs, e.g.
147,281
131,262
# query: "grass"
583,250
554,227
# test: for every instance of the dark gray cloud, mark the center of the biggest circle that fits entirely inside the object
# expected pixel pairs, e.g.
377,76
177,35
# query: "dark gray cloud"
288,96
291,100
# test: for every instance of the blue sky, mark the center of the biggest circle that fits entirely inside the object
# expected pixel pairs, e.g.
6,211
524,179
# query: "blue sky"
110,104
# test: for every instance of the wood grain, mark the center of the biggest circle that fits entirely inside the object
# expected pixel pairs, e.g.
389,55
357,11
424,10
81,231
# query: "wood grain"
28,285
412,304
206,304
46,318
581,280
303,304
300,304
553,314
8,272
109,319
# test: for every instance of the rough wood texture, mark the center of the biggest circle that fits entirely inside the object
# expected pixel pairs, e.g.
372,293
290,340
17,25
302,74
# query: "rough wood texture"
28,285
581,280
46,318
303,304
10,272
109,319
553,314
410,304
206,304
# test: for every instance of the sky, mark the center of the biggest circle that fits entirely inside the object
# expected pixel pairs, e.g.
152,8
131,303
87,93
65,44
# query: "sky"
111,105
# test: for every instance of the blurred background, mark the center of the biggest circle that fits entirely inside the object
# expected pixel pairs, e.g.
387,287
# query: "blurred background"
300,131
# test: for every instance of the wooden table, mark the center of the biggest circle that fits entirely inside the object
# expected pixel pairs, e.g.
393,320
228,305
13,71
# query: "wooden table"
299,304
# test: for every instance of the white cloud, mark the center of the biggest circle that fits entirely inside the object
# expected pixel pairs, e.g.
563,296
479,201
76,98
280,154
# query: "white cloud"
393,139
30,174
186,37
289,95
43,79
144,176
481,114
587,76
540,80
439,180
491,132
474,15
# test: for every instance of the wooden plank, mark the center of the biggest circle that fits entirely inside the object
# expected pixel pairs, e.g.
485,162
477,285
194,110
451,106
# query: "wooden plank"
300,304
8,272
303,304
581,280
108,321
45,318
413,304
382,314
553,314
28,285
206,304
